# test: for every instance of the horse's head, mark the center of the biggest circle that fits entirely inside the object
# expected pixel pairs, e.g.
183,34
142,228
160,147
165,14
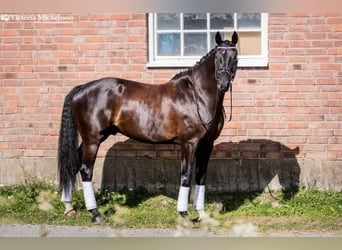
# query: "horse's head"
225,61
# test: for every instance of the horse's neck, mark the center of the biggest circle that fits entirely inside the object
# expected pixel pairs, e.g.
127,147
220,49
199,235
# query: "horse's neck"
209,99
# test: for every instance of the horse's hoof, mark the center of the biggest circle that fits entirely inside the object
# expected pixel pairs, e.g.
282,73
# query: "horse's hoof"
202,215
184,214
70,213
97,220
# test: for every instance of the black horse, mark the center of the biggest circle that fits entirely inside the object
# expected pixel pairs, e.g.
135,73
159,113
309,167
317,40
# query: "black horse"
187,110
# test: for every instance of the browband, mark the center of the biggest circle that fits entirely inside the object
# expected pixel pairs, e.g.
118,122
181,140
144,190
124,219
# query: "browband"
228,47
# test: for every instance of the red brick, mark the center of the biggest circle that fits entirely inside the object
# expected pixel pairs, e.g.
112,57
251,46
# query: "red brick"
294,36
90,46
321,28
299,28
69,31
121,16
330,66
67,46
43,25
335,35
298,125
63,39
94,39
300,14
315,36
100,17
8,32
334,20
84,24
337,28
334,147
61,54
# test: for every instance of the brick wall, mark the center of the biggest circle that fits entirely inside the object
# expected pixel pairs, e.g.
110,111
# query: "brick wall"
295,102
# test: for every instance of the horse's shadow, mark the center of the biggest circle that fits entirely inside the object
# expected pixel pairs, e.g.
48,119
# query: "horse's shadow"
240,171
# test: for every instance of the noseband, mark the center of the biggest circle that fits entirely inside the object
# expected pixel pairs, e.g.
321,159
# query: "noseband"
225,70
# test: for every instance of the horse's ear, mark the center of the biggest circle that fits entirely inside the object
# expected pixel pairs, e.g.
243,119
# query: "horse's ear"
235,38
218,38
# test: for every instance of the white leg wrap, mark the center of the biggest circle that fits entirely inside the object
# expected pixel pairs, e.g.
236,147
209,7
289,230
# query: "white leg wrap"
199,197
66,195
183,199
89,196
66,199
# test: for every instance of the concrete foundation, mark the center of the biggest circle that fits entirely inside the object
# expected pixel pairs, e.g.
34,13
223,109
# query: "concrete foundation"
162,175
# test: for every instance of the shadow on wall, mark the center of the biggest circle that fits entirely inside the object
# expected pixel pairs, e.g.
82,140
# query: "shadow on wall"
247,166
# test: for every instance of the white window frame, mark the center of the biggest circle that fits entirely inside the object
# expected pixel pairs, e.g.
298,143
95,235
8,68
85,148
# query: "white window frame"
156,61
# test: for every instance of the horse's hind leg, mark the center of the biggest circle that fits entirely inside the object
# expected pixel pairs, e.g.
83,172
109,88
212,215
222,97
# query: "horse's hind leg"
67,192
86,170
67,200
88,151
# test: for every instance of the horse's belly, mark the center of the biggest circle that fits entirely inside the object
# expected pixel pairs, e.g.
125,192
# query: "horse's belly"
145,128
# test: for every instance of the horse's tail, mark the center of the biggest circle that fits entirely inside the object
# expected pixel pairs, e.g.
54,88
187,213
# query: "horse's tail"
68,156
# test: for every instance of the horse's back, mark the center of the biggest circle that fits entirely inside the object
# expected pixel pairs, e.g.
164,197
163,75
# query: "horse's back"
146,112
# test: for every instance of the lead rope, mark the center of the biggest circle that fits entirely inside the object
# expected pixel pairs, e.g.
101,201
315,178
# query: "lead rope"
195,95
231,106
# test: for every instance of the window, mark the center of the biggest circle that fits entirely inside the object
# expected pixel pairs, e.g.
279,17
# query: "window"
181,39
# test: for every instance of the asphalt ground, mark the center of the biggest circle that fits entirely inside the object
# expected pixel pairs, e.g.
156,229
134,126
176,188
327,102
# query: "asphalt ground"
20,230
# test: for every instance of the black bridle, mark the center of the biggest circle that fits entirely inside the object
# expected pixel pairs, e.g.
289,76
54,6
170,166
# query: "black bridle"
231,75
224,69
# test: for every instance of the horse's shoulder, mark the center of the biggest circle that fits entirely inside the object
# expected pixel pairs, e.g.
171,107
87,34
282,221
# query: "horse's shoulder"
183,83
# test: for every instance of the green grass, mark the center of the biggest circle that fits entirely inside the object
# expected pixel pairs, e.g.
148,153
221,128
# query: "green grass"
307,210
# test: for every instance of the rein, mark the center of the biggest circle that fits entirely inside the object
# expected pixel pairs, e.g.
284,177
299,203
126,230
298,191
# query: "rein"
206,125
198,112
231,105
225,70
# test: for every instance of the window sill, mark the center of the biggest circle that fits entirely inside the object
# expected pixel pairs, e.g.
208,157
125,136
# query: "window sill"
181,63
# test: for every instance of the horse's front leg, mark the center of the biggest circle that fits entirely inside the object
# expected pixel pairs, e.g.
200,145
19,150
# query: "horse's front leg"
202,159
86,170
187,159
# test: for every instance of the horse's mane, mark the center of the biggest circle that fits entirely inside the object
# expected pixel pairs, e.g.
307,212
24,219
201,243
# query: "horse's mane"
189,70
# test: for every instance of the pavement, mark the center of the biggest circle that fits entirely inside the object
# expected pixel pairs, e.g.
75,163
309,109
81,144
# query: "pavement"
20,230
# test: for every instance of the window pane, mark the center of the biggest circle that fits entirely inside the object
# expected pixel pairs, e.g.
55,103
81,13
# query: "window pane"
168,21
249,20
195,44
221,20
249,43
195,20
212,40
168,44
